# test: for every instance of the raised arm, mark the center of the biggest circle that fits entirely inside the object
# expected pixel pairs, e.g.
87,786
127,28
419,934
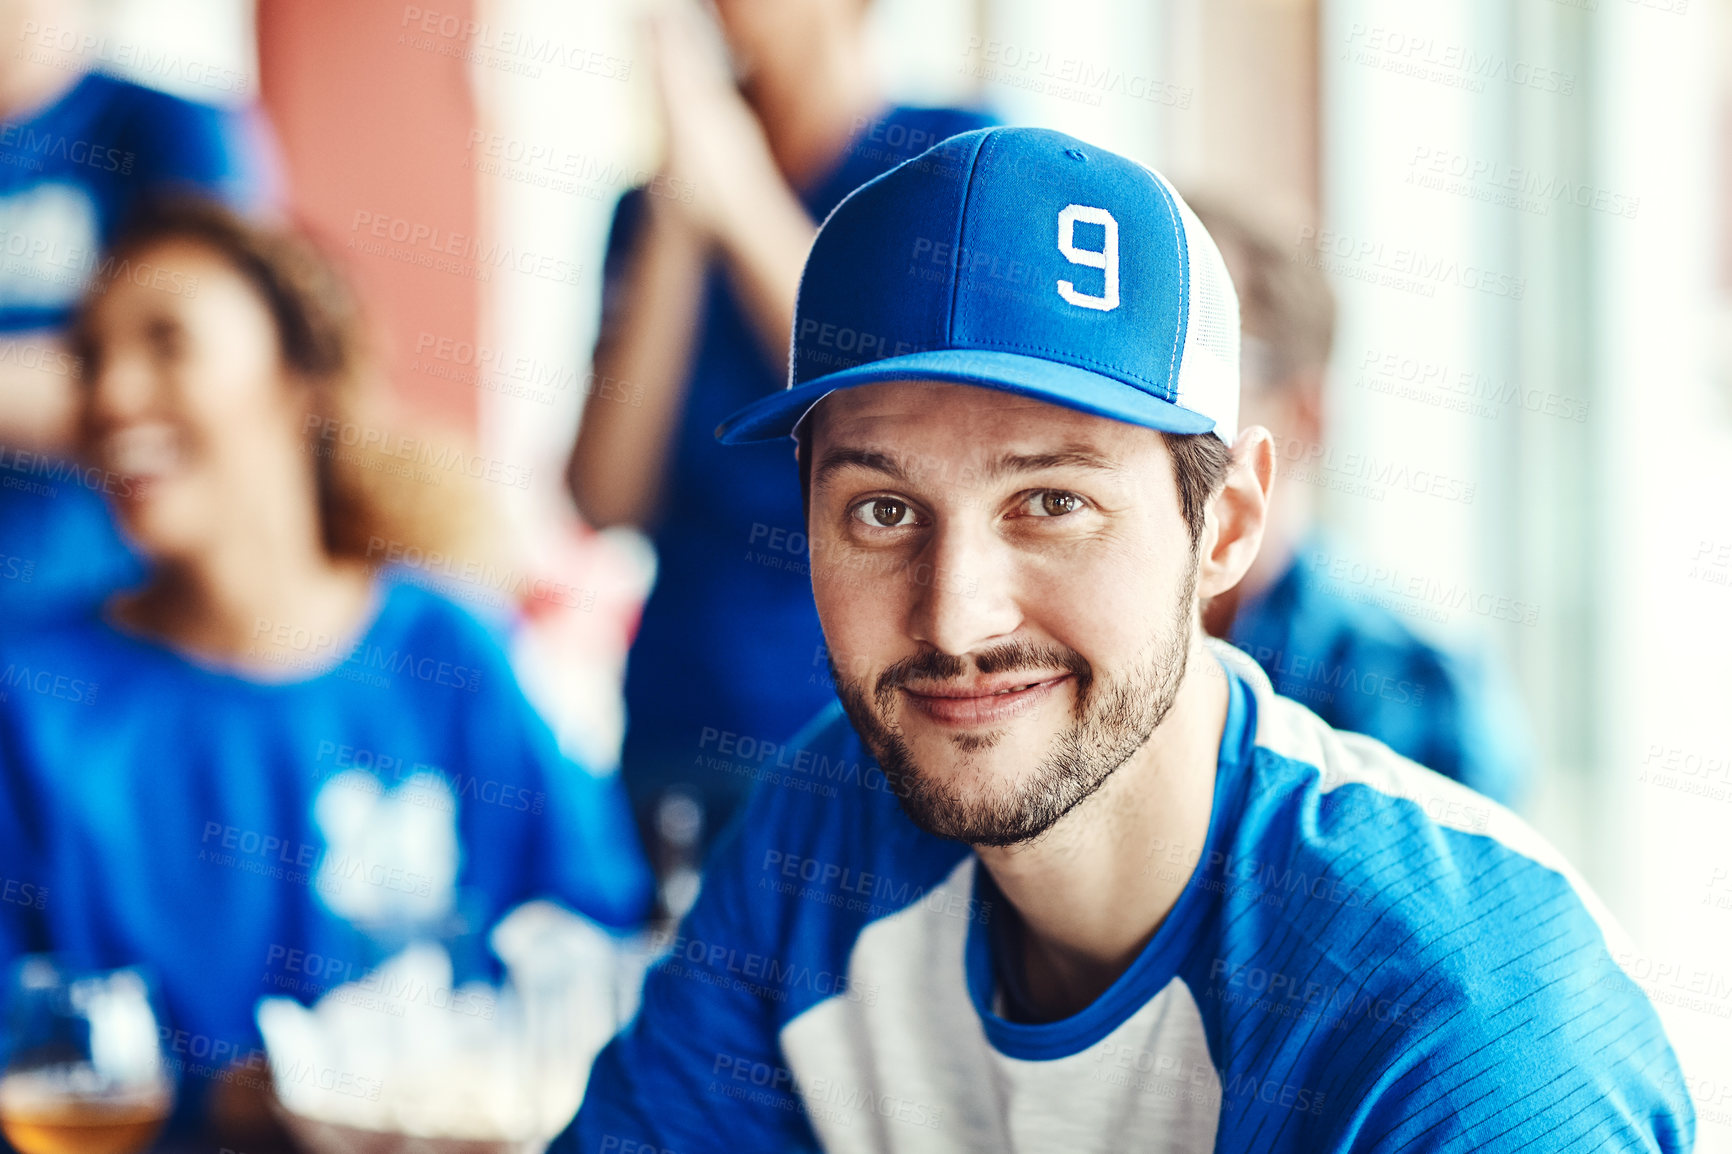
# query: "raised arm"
720,195
650,315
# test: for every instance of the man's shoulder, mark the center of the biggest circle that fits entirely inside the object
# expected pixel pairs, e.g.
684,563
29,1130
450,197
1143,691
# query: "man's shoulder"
1415,947
1352,809
1338,829
1425,920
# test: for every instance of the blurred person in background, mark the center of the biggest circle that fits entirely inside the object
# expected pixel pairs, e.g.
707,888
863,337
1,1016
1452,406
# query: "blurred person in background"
79,150
701,272
1355,664
269,747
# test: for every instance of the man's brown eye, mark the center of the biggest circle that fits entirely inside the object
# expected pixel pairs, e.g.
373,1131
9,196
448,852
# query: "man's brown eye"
888,512
1057,504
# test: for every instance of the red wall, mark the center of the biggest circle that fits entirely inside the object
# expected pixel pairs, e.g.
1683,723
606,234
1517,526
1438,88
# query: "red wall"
372,105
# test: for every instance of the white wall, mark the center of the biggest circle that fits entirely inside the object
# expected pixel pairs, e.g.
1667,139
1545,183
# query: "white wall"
1665,446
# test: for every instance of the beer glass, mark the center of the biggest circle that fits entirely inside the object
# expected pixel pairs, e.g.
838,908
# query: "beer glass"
84,1070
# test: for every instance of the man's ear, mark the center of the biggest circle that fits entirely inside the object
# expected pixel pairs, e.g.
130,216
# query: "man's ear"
1233,530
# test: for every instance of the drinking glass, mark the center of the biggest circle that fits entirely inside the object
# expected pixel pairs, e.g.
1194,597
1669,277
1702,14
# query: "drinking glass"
84,1070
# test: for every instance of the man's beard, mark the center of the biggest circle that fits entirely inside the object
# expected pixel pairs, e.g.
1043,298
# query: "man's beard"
1110,722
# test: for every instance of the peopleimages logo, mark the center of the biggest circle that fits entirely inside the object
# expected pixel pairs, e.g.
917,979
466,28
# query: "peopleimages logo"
1422,590
762,975
429,245
1511,186
1424,57
287,859
822,1097
466,577
21,893
1298,995
1065,77
514,374
46,683
1409,269
515,50
461,786
440,458
550,166
53,146
726,750
20,464
862,891
76,50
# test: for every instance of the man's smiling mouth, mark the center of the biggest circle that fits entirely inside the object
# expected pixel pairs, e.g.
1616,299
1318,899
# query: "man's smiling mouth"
982,702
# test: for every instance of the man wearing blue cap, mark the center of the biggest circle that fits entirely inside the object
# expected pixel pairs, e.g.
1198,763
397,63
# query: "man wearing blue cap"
1057,874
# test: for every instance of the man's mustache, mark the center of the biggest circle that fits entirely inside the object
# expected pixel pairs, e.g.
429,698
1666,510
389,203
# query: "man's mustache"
931,665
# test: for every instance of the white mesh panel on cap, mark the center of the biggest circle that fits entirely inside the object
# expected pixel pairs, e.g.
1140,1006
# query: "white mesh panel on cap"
1209,365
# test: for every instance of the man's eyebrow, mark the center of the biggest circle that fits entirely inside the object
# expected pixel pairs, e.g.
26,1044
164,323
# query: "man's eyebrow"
1069,457
877,461
838,459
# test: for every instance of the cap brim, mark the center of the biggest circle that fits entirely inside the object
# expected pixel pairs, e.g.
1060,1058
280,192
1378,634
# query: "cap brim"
1073,388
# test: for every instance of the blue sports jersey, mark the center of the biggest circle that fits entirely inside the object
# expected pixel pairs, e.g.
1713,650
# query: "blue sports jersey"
154,811
1359,667
69,175
1367,957
729,642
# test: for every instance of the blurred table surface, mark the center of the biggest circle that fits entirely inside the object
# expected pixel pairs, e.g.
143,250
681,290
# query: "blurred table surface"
213,1146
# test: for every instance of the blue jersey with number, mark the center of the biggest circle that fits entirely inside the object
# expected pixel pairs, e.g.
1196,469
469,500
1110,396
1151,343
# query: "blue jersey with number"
245,839
1366,957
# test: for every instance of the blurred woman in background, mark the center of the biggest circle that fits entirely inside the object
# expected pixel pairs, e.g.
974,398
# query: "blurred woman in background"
270,750
80,150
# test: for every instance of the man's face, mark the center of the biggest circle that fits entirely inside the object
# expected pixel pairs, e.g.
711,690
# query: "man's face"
1007,588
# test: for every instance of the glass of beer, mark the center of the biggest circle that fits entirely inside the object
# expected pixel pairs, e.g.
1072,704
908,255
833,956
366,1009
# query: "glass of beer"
84,1069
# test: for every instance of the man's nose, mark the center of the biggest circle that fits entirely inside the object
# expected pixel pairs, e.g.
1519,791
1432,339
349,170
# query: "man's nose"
964,584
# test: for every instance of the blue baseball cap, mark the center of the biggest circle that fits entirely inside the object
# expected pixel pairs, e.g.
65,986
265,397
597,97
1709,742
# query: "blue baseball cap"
1018,259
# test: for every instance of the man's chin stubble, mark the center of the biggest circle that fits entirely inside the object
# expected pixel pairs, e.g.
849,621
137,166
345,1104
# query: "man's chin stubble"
976,742
1078,761
1073,769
